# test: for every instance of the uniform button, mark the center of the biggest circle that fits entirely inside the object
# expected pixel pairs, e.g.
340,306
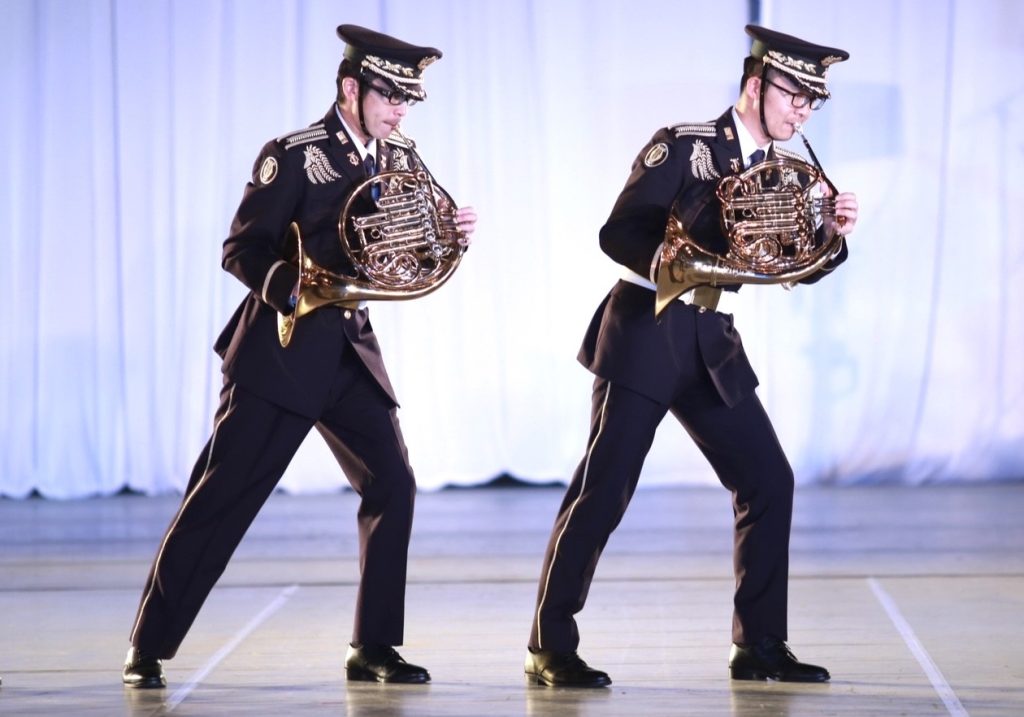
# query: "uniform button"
348,314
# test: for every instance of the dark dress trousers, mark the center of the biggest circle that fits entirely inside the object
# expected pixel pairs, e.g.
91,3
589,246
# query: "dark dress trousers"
690,362
331,377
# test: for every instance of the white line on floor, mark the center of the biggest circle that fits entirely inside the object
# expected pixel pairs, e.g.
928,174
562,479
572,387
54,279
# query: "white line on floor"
199,675
942,687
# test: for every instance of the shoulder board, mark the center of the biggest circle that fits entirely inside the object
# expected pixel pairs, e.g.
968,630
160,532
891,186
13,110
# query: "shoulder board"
788,154
700,129
401,140
303,136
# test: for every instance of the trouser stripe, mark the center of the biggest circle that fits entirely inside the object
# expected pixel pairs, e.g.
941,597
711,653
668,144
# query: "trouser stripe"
181,510
572,508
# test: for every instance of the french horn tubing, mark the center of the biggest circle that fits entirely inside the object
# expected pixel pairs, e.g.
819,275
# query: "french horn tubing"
405,249
770,215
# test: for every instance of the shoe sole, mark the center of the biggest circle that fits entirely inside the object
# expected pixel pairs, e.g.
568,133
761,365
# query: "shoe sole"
758,675
147,683
535,679
358,675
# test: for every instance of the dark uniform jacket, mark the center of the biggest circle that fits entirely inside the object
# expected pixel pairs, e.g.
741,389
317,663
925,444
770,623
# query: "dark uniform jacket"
679,168
304,177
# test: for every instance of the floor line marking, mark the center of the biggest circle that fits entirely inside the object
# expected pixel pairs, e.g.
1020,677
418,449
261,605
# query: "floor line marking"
199,675
949,698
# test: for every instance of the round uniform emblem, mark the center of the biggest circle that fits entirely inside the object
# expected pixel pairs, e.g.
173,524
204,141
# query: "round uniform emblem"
268,170
656,155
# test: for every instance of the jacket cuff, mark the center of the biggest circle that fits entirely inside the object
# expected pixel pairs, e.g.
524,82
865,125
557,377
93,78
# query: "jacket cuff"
278,286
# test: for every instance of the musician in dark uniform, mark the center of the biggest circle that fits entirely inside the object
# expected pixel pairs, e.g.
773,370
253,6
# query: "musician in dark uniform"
330,377
688,361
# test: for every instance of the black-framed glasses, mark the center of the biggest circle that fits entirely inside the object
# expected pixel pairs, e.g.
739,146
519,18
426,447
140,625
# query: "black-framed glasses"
799,99
393,96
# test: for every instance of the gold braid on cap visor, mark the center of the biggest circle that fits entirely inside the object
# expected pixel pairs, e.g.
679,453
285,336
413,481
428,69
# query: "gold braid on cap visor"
789,66
390,70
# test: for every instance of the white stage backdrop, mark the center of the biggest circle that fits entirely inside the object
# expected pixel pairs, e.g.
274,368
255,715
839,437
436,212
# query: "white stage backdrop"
128,129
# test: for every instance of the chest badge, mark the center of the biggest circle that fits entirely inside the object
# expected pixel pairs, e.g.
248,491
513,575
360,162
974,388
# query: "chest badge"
318,167
701,164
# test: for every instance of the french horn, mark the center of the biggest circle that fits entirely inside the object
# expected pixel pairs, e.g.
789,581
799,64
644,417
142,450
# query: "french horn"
407,248
770,215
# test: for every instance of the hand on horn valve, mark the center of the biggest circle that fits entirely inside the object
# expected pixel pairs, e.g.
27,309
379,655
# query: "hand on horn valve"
465,220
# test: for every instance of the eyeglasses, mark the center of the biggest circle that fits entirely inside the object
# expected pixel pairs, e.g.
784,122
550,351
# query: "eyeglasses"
799,99
393,96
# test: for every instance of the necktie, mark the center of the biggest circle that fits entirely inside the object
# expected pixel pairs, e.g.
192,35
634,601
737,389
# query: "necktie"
756,157
371,169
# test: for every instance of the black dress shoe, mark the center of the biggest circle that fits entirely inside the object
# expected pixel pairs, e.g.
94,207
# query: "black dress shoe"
142,671
772,658
381,663
562,669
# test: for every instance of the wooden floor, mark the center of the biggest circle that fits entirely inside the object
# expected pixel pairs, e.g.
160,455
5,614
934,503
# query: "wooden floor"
912,597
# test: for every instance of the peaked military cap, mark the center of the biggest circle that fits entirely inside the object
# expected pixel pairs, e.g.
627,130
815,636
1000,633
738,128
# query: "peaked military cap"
397,62
804,62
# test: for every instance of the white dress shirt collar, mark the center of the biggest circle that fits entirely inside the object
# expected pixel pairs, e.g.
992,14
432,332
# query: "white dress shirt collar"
747,144
369,149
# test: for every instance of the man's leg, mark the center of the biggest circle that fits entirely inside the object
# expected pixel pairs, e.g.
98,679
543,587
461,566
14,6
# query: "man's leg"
742,447
745,453
362,430
622,429
251,445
